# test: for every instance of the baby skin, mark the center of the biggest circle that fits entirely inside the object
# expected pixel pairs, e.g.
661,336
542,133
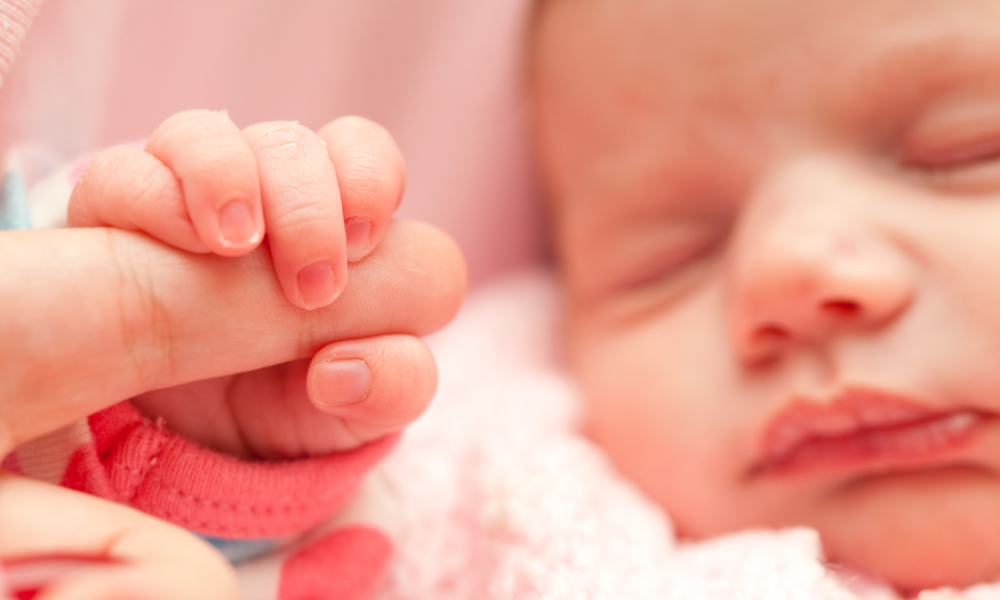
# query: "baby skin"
778,225
324,201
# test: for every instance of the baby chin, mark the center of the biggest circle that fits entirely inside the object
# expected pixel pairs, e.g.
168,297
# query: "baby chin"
917,529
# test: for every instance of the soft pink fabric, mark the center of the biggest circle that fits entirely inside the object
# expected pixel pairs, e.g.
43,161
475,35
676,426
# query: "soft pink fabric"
443,75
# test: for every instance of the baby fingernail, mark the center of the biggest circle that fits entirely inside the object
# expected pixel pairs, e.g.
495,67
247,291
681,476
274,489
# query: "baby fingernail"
341,382
317,286
236,224
359,233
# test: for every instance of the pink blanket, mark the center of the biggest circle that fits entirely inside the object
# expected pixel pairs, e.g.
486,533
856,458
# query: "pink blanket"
500,498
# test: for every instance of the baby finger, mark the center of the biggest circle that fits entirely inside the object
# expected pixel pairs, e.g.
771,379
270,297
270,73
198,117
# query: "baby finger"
128,188
303,213
371,173
376,385
218,176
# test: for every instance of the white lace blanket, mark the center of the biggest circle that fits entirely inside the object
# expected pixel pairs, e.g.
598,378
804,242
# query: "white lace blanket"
503,500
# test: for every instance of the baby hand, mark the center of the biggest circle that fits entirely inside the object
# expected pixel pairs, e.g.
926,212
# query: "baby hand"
324,199
202,185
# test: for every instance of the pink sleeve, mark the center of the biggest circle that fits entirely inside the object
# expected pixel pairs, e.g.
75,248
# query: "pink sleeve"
136,462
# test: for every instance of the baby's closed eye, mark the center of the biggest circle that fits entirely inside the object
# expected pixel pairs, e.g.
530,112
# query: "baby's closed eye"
665,254
955,148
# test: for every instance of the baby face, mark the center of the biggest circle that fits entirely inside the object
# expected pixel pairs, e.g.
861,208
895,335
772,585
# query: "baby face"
779,228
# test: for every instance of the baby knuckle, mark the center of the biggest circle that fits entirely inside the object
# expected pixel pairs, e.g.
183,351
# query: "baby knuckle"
151,186
367,176
300,216
282,139
354,127
177,132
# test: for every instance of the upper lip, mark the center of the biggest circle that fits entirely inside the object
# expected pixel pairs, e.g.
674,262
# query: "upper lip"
856,416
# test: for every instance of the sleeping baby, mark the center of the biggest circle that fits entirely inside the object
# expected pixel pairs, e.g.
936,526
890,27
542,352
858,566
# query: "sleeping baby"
777,225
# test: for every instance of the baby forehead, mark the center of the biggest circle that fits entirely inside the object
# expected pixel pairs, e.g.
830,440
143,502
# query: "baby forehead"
724,40
612,70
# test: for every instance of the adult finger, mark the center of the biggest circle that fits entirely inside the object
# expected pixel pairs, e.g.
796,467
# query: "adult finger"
305,224
129,188
95,316
376,385
218,175
146,558
371,173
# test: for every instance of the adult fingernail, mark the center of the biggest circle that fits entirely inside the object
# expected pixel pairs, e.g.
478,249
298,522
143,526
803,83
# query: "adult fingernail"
341,382
317,286
359,233
236,224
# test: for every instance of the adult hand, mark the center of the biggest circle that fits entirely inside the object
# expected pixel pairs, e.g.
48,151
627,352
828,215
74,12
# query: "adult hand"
95,316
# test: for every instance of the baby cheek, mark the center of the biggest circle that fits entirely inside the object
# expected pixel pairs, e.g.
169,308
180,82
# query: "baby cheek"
656,422
664,401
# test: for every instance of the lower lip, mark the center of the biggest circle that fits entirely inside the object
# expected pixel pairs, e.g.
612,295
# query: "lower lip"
906,445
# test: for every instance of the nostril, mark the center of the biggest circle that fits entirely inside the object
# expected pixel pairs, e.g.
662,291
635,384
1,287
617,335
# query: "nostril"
768,334
767,342
841,308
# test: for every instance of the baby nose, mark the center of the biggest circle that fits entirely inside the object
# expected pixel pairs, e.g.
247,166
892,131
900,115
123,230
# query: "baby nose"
805,283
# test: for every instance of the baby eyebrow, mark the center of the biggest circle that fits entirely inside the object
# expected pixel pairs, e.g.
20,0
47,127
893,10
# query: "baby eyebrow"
909,70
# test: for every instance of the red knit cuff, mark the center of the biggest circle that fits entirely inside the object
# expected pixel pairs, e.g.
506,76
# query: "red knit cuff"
134,461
